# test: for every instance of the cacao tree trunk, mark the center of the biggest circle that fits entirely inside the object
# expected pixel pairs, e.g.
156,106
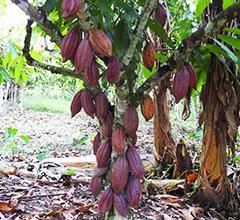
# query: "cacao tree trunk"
214,185
220,98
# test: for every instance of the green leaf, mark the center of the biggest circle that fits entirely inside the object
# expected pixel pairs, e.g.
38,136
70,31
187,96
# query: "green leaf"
82,140
5,75
227,3
232,41
121,39
216,50
9,138
106,12
199,134
201,5
70,172
157,28
233,30
50,5
35,55
12,50
12,131
10,146
17,72
41,156
25,138
229,52
24,75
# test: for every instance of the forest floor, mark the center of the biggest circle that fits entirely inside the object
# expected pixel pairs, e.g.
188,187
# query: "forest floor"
30,189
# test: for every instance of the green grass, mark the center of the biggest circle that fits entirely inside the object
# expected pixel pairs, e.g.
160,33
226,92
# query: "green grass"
46,104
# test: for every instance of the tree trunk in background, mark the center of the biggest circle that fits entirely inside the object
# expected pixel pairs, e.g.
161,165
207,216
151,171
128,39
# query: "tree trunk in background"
163,138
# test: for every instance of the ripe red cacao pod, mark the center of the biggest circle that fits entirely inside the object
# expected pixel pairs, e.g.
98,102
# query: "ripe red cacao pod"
160,14
107,126
131,120
99,171
87,103
101,104
148,56
109,175
180,83
120,204
135,163
106,200
147,108
113,69
96,185
133,190
84,55
100,42
70,8
193,80
118,140
70,44
96,143
134,140
76,104
120,174
102,170
92,73
103,154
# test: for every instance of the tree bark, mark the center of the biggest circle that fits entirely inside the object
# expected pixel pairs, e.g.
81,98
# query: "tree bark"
214,185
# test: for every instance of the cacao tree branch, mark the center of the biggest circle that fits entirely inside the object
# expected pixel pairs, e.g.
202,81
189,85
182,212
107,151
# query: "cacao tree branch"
47,26
187,46
138,31
33,62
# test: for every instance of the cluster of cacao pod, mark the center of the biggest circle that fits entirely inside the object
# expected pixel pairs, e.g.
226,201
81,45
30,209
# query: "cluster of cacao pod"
185,76
127,172
95,42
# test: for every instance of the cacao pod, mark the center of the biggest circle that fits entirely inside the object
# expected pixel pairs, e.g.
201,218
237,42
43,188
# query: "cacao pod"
87,103
120,204
109,175
131,120
70,8
147,108
84,55
107,126
193,80
106,200
92,73
180,83
76,104
100,42
148,56
113,70
134,140
133,190
96,185
135,163
101,171
101,104
96,143
120,174
70,44
103,154
118,140
160,14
